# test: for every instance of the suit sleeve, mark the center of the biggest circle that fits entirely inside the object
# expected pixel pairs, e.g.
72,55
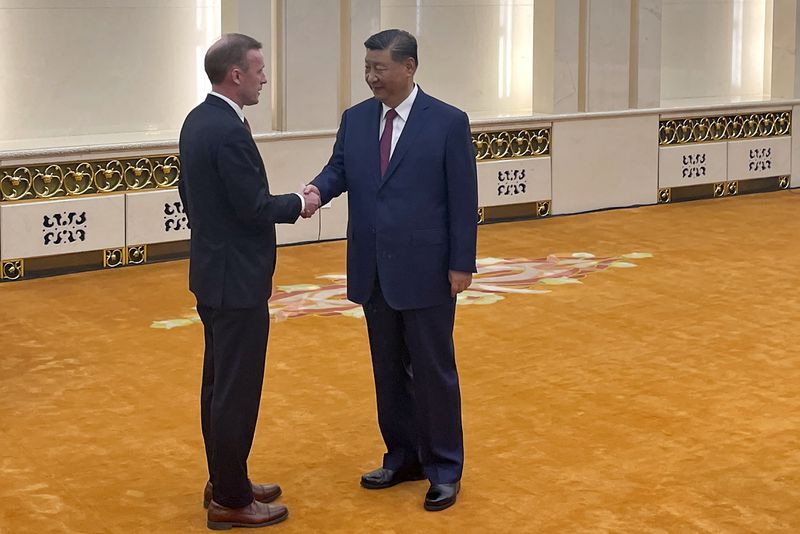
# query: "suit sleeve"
246,186
332,181
462,195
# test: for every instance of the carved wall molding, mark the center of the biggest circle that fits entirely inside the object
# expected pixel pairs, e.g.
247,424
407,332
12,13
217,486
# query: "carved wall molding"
77,178
724,127
507,144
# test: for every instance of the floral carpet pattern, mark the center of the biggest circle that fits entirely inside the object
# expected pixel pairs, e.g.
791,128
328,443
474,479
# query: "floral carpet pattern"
495,277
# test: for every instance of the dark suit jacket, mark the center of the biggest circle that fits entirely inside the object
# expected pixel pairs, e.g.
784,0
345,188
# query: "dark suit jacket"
417,221
232,214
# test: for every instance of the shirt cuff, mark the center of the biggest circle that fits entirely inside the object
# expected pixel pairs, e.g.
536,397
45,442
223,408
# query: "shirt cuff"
302,202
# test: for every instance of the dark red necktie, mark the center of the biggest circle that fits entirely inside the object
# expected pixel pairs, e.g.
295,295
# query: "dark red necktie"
247,125
386,140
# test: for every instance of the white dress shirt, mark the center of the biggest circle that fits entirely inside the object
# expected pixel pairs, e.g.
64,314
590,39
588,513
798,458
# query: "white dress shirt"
240,112
400,121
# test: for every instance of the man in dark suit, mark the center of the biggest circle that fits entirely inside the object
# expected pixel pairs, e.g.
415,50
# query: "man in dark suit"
232,214
408,165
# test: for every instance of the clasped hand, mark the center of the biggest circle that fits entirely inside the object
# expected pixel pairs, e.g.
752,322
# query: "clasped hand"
312,199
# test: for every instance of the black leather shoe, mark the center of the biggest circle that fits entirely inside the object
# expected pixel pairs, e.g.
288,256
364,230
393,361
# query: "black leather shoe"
441,496
386,478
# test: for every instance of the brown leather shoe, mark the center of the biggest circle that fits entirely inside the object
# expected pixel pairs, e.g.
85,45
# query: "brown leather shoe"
261,492
255,514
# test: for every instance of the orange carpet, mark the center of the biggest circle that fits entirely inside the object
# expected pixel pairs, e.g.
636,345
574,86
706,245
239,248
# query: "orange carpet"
658,393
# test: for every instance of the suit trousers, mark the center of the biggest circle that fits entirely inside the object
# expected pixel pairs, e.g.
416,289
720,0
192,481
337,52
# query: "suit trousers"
233,375
416,384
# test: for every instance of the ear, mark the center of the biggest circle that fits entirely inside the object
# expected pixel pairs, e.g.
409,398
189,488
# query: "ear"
235,74
410,65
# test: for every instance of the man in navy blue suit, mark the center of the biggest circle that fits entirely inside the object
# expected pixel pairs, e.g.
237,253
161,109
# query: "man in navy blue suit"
407,163
232,214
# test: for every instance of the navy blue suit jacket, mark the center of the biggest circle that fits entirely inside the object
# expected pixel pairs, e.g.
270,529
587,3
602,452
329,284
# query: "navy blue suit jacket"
232,214
417,221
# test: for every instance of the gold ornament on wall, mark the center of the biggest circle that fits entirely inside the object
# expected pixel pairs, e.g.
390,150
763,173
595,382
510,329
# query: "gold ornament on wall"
12,269
17,184
138,175
543,208
137,254
113,257
511,144
108,177
167,172
49,181
78,180
724,127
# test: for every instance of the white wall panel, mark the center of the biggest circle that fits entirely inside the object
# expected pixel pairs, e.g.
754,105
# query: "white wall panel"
513,181
291,163
155,217
45,228
702,163
759,158
333,219
604,163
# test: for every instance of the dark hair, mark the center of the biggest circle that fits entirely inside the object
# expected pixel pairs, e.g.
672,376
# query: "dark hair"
400,43
231,50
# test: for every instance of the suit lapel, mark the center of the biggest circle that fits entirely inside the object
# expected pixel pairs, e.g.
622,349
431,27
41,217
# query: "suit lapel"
373,151
415,124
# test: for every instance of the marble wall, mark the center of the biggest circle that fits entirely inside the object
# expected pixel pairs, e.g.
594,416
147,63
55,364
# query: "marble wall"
473,54
713,51
73,70
129,71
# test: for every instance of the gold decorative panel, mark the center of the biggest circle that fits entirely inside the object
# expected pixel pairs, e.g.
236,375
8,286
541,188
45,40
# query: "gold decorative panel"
724,127
114,257
71,179
12,269
137,254
511,144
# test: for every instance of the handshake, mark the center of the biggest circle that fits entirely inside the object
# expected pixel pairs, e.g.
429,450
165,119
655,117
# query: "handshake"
311,196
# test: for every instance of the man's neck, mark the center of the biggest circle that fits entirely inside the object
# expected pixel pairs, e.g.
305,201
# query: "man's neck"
401,99
228,93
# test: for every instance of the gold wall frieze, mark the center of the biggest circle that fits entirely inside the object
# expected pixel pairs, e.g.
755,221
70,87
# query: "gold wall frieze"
724,127
71,179
507,144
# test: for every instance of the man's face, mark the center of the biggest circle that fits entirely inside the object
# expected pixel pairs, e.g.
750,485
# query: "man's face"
391,82
252,79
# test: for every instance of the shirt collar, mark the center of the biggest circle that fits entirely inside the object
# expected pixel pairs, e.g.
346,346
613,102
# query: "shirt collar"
233,104
405,106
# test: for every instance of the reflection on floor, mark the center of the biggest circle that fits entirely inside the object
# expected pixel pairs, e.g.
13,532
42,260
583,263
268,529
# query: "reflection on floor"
661,398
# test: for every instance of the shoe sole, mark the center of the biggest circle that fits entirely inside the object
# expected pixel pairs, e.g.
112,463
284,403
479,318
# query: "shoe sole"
226,525
206,503
443,506
370,486
439,507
